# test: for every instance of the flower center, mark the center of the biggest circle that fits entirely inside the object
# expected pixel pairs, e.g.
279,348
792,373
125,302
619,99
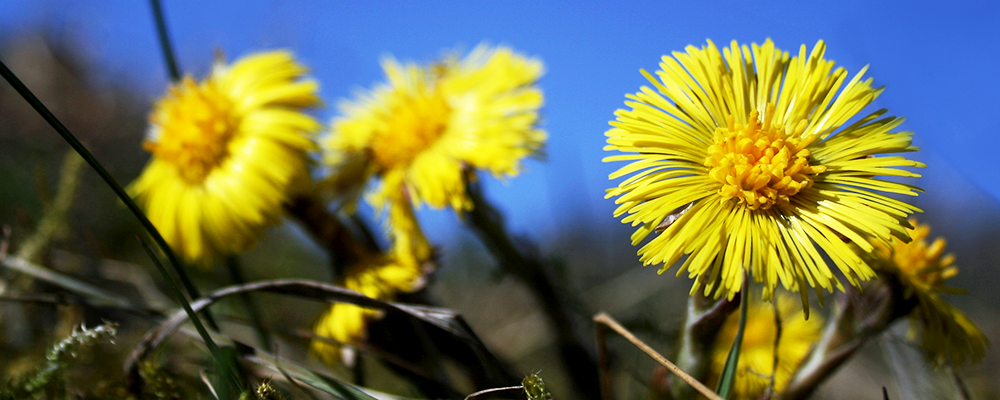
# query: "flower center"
761,164
923,264
417,121
191,128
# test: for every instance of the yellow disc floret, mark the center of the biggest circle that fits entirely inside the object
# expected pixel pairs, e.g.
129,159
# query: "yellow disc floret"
422,115
924,267
191,127
762,163
227,153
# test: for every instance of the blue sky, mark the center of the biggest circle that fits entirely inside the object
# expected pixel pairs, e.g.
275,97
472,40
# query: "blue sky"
934,58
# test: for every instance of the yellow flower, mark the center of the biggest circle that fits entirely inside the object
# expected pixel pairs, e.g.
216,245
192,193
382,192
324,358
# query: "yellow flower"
417,131
226,153
756,364
734,157
379,277
947,334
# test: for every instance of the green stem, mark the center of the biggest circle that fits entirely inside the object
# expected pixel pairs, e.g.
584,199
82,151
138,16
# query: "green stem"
236,273
168,50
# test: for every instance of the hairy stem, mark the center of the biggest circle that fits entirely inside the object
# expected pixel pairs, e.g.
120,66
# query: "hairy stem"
705,317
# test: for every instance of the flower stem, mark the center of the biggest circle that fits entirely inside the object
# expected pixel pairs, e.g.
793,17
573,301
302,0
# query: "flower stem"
330,232
705,317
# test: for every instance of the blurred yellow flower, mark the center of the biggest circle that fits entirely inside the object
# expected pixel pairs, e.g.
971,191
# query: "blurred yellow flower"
226,154
733,157
380,277
419,130
756,365
947,334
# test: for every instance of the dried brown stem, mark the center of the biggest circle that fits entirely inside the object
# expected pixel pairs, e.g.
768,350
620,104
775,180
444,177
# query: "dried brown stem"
606,319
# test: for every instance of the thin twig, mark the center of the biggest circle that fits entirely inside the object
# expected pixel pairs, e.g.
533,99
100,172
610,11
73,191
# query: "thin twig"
60,299
963,390
444,319
500,389
606,319
39,272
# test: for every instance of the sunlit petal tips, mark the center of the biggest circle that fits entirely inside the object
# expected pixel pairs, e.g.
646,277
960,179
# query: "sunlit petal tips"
227,153
747,154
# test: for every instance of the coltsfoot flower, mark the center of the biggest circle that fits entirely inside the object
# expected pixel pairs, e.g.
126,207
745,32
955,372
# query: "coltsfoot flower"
227,153
419,130
946,334
740,160
757,354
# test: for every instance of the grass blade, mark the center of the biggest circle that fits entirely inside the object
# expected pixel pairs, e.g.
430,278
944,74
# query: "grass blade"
71,284
212,347
728,377
106,176
168,50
